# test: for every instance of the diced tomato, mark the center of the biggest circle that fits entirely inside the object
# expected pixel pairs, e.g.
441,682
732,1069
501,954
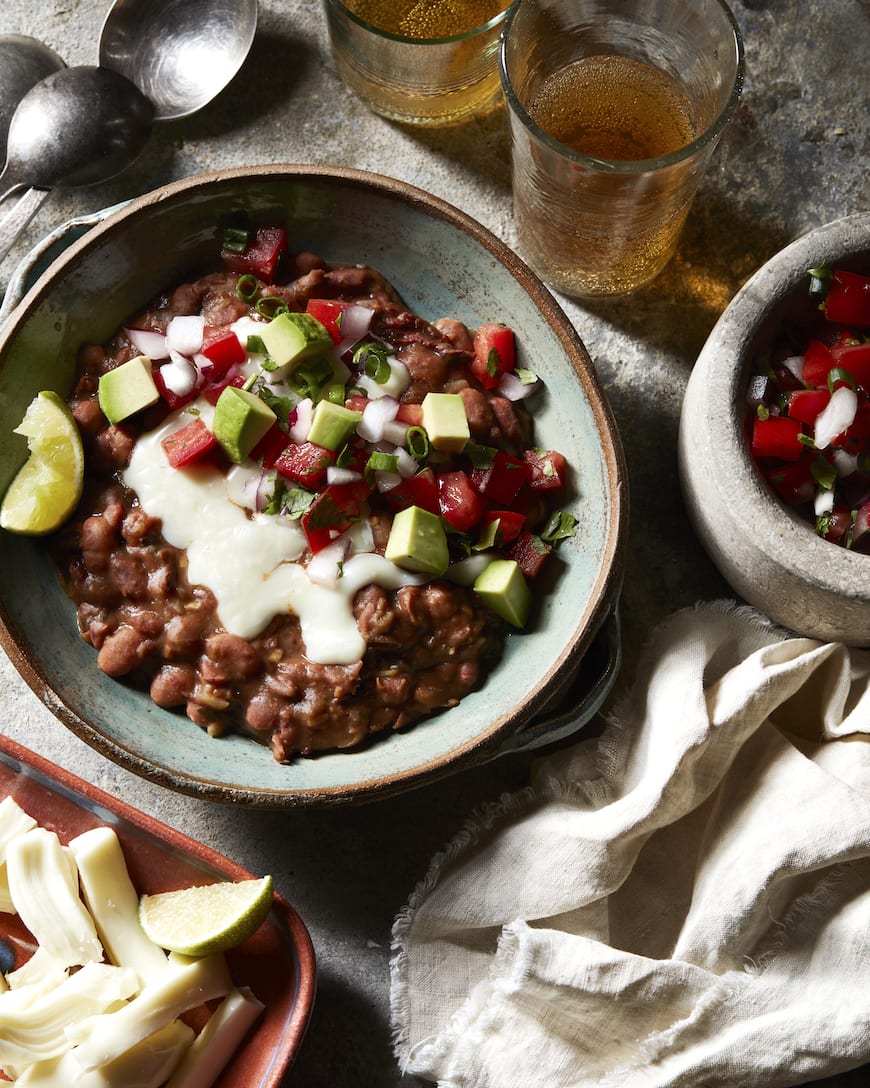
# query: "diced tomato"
510,524
270,447
306,463
332,513
191,443
172,399
858,431
794,483
805,404
501,481
856,359
261,255
328,313
848,298
818,361
777,436
412,414
213,390
530,553
458,502
418,490
356,402
223,349
548,469
836,524
494,353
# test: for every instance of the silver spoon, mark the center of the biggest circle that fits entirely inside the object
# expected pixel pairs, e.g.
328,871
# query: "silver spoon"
76,127
179,53
24,62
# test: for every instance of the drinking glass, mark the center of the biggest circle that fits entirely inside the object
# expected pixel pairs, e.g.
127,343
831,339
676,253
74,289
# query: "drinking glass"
417,81
600,199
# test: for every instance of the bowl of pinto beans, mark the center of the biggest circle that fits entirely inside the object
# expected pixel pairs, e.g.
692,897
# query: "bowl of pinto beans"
775,436
353,512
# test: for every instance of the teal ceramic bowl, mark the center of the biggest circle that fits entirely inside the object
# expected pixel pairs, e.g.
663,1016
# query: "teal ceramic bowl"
551,678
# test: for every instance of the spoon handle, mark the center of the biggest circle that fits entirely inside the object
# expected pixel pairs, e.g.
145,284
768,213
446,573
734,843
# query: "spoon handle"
23,210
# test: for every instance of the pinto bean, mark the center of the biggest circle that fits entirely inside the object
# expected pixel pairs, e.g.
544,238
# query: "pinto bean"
123,650
173,685
229,657
98,538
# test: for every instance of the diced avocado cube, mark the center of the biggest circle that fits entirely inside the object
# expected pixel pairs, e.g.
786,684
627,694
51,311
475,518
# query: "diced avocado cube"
445,421
418,542
240,421
290,338
332,425
127,389
504,589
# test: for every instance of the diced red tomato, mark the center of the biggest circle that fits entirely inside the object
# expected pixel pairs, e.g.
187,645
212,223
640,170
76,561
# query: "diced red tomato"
328,313
510,524
856,359
805,404
848,298
172,399
836,524
223,349
530,553
261,255
494,353
458,502
777,436
794,483
332,513
547,469
213,390
419,490
306,463
356,402
270,447
500,483
191,443
412,414
818,361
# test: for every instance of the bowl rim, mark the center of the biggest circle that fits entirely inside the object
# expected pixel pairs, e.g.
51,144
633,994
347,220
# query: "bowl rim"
484,745
789,539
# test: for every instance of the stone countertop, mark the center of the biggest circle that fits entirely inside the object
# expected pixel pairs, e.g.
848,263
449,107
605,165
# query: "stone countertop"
795,157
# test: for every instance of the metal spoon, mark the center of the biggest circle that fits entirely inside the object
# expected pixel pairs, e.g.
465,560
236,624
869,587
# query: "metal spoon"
77,126
179,53
24,62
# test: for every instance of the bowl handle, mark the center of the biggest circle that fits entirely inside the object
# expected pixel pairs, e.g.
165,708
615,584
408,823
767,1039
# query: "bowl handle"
585,696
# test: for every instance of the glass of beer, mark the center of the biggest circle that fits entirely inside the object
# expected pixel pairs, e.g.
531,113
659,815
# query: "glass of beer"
420,62
616,107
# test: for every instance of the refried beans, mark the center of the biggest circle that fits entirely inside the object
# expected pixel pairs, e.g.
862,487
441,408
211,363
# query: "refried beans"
425,642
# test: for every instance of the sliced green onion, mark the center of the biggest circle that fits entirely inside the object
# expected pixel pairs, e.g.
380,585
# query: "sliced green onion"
820,280
335,392
417,442
382,462
271,306
373,359
762,411
526,376
840,374
254,344
309,380
235,240
247,287
807,440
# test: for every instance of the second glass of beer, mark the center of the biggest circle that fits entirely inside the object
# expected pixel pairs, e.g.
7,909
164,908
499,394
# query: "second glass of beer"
615,108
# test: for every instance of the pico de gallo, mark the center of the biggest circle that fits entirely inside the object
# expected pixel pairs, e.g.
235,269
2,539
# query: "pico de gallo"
310,514
810,402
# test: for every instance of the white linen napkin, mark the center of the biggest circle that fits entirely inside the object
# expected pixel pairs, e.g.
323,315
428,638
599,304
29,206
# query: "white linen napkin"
683,902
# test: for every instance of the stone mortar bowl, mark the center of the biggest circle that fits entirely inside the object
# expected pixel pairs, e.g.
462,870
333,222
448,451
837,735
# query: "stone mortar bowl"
552,677
769,555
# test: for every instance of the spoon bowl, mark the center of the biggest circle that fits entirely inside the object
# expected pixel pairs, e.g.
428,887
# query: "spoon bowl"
24,62
179,53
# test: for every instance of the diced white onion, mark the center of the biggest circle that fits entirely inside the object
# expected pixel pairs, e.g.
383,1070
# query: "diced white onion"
795,363
337,475
511,388
836,416
149,342
184,333
361,537
407,465
179,377
324,567
375,414
395,432
845,463
386,480
823,502
465,571
394,386
301,424
354,324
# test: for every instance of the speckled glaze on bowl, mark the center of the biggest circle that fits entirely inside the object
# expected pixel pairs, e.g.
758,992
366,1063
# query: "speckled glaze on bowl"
769,555
277,962
443,263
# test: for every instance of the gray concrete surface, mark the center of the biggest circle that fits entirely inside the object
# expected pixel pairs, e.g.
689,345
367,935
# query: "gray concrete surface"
795,157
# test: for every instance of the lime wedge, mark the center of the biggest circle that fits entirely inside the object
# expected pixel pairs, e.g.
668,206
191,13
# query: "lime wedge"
207,918
48,485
